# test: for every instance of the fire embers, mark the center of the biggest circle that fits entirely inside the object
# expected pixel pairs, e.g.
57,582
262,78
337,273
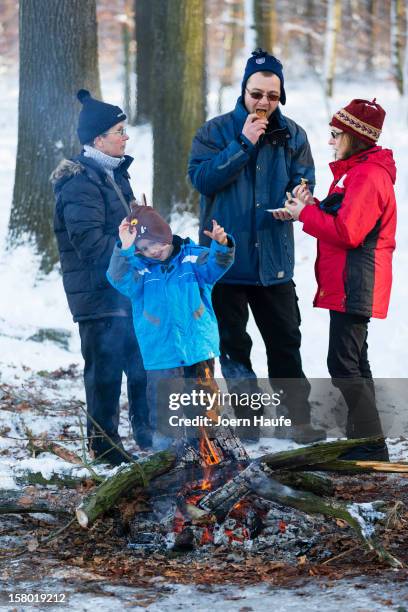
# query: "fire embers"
243,523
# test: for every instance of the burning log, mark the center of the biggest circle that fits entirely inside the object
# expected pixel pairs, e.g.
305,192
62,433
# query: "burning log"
110,490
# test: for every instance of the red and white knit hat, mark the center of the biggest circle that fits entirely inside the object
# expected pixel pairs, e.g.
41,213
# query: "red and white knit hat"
362,118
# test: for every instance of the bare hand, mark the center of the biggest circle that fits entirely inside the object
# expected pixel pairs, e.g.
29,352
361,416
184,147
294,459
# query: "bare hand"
295,207
218,234
254,127
303,194
126,235
281,214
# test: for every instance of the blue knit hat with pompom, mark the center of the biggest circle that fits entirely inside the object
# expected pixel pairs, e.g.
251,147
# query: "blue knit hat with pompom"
96,117
261,61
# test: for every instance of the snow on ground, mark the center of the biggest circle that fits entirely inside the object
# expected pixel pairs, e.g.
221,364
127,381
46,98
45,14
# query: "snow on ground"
355,595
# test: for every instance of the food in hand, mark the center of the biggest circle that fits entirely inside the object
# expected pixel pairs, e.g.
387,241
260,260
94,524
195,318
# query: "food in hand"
132,219
304,181
261,112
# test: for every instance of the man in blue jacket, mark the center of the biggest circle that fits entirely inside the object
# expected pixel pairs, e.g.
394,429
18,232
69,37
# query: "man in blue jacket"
243,163
93,194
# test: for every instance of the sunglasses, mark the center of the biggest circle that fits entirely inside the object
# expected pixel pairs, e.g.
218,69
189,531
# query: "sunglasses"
258,95
335,135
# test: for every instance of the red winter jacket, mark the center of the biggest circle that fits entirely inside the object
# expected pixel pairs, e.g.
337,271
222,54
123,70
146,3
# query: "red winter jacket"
355,227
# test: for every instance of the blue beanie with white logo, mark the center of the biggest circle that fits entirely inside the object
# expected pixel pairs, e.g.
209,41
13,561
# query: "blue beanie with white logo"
96,117
261,61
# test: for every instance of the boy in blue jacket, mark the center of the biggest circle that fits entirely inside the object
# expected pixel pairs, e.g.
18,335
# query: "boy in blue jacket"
169,282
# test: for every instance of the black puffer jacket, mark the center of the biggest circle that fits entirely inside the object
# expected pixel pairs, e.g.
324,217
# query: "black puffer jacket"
87,215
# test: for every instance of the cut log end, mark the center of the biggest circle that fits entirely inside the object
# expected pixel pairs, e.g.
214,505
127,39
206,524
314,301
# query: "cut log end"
82,517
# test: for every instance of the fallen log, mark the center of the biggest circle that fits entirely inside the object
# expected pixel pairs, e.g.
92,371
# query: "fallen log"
308,481
316,454
125,479
68,481
358,467
29,501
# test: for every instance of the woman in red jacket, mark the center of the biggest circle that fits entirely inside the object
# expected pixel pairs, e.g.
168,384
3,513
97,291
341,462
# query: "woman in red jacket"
355,229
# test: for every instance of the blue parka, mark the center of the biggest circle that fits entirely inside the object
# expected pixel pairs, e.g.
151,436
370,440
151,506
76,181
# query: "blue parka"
87,215
173,315
239,181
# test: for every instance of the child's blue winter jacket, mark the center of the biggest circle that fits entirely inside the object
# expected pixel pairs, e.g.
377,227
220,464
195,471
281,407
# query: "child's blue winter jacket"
173,316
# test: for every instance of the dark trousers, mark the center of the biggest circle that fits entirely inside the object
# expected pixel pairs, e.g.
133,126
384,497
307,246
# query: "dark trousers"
349,368
109,348
276,313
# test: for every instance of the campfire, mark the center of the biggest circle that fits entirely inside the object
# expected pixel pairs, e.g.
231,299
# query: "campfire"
227,501
193,528
210,494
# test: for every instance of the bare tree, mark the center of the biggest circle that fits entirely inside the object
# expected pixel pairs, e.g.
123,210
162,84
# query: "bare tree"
396,17
178,98
265,16
333,22
58,56
232,42
128,40
145,53
405,71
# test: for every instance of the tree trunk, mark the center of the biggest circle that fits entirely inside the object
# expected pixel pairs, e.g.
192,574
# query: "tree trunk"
405,74
58,56
333,23
396,51
265,17
233,42
144,60
371,45
128,69
179,99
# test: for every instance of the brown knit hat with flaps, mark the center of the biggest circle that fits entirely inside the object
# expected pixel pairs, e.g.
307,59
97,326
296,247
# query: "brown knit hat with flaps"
362,118
148,224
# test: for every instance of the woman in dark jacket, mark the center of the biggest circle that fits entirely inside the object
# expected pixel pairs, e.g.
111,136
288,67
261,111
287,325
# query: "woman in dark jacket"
355,228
